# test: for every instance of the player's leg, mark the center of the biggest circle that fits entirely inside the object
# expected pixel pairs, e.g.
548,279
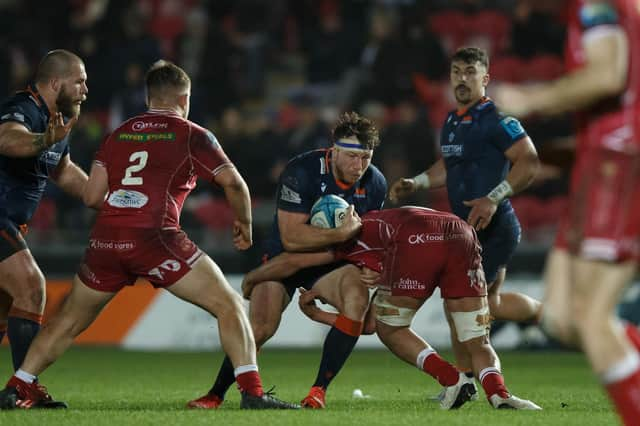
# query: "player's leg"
78,311
205,286
268,301
22,280
342,289
556,317
598,287
394,316
471,319
5,305
511,306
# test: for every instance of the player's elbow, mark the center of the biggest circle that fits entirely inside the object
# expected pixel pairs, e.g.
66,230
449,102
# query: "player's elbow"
92,199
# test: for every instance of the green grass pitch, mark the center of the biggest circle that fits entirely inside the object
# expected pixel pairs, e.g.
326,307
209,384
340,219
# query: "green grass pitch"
114,387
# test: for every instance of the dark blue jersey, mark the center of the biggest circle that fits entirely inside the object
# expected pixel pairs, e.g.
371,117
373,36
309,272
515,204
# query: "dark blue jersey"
473,145
23,180
308,176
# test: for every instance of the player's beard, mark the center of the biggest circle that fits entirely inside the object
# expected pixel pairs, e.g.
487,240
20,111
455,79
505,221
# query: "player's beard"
66,104
462,94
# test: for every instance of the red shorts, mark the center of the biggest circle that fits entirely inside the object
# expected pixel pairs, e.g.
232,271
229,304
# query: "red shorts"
602,221
116,257
448,256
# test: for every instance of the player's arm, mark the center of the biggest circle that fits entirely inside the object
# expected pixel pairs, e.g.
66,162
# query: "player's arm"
237,193
298,236
524,168
604,74
69,177
434,177
17,141
96,187
283,266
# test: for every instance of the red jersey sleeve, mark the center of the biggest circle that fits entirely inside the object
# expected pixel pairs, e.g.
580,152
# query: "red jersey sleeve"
207,156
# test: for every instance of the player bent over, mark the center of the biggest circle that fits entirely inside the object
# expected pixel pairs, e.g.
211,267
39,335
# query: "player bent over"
141,176
406,253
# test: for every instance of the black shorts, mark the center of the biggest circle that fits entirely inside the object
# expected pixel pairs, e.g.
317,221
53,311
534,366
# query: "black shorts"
307,277
11,240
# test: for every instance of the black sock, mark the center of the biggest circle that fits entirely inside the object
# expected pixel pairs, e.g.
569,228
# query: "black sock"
225,379
337,348
21,333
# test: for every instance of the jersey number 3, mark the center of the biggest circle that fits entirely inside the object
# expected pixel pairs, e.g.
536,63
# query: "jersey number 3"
139,159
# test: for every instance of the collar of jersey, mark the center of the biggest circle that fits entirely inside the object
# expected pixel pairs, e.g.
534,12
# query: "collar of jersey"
341,185
37,97
462,111
157,111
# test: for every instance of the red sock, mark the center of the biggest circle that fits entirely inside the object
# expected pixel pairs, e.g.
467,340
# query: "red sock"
445,373
493,382
633,334
625,395
250,383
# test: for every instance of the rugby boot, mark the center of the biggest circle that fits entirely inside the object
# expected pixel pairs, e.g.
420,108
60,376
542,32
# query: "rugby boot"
207,402
20,394
315,399
474,392
512,402
455,396
265,402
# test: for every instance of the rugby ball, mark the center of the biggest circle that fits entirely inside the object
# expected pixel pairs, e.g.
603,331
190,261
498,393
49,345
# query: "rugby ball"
328,211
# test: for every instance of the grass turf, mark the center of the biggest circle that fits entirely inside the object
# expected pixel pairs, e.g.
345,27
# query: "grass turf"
110,386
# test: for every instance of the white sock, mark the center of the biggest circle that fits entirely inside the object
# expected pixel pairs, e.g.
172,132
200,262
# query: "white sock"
24,376
423,355
621,369
245,369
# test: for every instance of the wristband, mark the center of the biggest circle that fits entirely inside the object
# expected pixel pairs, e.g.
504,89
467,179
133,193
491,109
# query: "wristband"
500,192
422,181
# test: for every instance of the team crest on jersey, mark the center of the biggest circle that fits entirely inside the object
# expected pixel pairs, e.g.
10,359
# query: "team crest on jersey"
323,187
289,195
127,199
452,136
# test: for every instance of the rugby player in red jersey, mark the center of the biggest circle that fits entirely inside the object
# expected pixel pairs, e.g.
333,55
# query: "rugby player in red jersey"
408,252
597,248
141,176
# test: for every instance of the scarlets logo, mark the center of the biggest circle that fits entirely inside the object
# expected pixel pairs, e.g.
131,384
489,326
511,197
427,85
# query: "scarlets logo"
139,126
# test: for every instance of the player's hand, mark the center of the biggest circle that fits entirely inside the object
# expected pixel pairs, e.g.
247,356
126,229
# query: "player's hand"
248,283
482,210
57,130
242,235
351,224
307,303
369,277
514,100
402,188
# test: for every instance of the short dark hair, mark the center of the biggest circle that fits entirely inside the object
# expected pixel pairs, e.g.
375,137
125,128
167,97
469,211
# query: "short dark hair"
353,124
55,64
164,75
471,55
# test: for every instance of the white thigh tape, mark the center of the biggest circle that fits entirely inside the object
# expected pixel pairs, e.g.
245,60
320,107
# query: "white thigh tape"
470,325
392,315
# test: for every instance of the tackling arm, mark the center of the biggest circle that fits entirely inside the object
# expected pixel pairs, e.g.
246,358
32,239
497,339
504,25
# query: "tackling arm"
96,187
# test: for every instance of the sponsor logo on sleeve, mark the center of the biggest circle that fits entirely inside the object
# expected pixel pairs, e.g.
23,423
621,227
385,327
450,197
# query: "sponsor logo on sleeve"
212,140
512,127
127,199
289,195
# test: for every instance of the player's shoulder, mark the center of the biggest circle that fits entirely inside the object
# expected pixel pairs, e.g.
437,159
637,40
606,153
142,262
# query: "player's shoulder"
16,107
374,176
315,160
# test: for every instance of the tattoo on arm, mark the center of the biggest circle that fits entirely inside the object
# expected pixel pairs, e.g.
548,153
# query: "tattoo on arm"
39,142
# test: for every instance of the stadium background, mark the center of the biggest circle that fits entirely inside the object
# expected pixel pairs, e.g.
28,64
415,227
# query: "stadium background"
269,78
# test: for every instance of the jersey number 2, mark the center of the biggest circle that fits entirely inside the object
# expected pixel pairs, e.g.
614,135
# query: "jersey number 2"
140,158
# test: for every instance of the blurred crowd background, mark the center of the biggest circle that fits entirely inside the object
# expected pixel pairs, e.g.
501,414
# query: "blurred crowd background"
269,79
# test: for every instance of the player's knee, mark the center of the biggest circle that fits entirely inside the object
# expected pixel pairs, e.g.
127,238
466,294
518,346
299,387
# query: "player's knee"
30,294
263,332
556,324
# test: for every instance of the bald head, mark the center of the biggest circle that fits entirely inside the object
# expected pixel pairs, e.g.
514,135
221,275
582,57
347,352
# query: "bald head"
57,64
